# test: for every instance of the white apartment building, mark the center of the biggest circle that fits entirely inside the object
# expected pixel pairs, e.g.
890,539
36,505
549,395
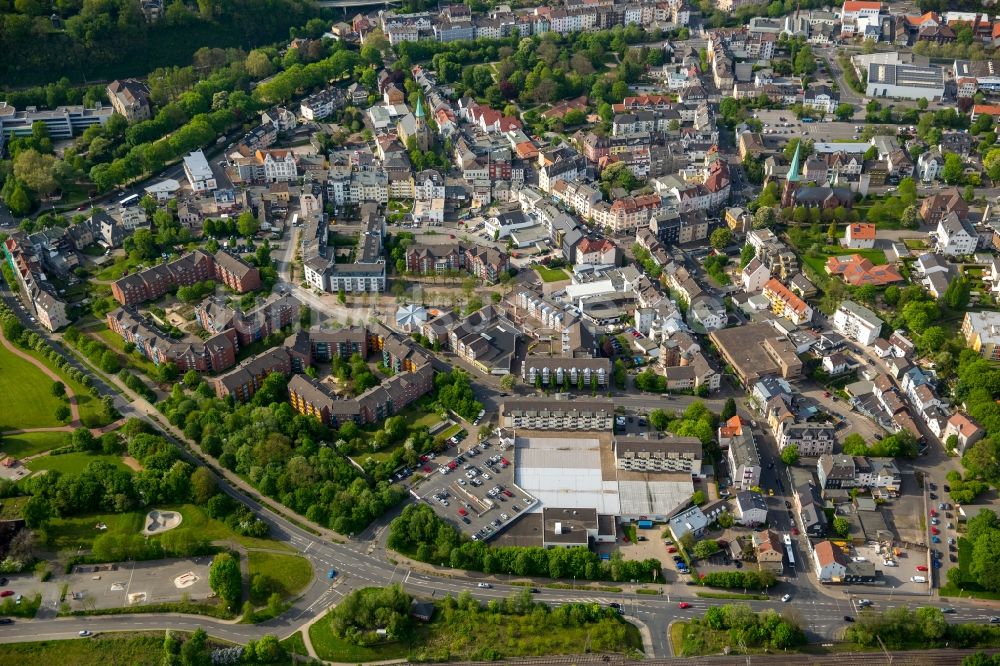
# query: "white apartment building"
857,322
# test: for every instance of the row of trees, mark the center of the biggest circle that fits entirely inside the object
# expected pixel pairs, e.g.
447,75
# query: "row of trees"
420,533
749,629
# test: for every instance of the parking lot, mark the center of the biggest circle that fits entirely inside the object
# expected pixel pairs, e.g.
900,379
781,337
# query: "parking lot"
476,491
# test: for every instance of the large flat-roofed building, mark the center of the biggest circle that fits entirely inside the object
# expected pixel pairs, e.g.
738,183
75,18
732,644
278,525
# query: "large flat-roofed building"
540,414
755,350
665,454
568,527
198,172
63,122
579,471
905,81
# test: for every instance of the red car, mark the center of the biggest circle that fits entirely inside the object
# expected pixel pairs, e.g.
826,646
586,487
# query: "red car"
795,531
684,604
6,593
921,568
508,493
672,549
935,530
826,394
463,512
933,513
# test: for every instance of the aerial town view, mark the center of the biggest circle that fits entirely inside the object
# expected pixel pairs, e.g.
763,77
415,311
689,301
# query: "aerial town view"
528,331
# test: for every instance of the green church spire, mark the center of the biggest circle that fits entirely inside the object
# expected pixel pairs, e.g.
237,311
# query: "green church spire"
793,171
420,107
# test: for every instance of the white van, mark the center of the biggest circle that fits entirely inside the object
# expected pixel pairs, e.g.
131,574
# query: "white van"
918,579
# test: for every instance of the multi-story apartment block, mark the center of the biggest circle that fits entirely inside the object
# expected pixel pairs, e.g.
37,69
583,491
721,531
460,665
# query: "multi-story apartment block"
666,454
215,354
857,322
196,266
243,381
744,459
536,414
810,438
786,304
556,371
982,333
486,263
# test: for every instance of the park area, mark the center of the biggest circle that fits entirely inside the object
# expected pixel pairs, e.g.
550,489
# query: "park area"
28,398
70,534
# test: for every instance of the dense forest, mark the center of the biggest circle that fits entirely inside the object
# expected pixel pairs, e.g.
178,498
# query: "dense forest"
107,39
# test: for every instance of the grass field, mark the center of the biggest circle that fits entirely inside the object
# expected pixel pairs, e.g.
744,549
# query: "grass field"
72,463
295,644
10,507
551,274
108,650
32,443
331,648
288,574
28,401
90,407
79,532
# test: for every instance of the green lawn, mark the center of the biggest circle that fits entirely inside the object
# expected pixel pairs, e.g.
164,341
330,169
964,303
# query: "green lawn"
79,532
288,574
72,463
117,269
331,648
27,398
91,409
551,274
32,443
104,649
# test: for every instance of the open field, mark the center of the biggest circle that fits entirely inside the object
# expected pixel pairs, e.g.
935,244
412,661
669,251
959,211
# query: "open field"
79,532
28,401
32,443
108,650
287,574
72,463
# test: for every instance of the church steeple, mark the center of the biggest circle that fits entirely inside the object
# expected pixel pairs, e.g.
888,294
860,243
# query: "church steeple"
420,108
789,194
793,171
